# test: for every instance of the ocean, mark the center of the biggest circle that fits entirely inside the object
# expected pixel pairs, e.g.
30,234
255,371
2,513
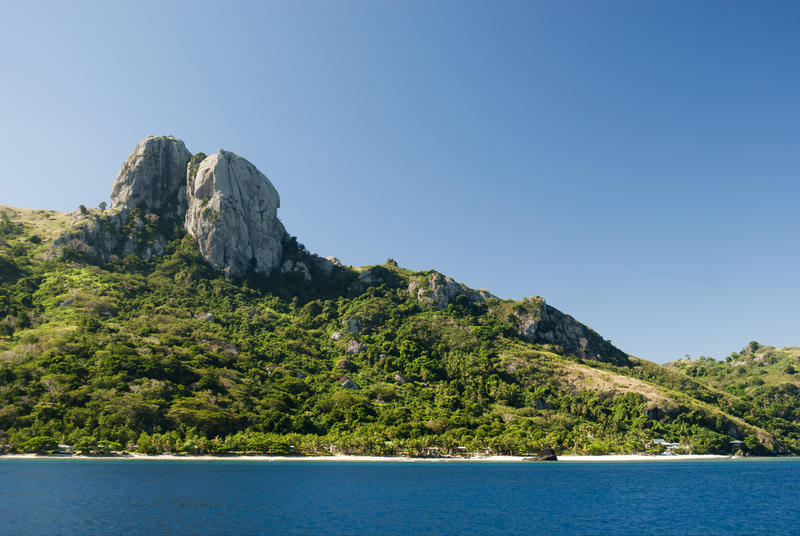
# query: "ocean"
153,497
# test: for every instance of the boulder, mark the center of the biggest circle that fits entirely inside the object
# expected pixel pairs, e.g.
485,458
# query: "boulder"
153,181
347,383
440,291
540,323
325,266
546,455
399,378
354,347
232,212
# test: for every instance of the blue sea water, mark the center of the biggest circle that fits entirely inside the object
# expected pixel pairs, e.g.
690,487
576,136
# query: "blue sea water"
45,496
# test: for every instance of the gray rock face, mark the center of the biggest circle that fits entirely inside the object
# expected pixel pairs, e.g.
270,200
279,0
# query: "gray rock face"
296,266
325,266
543,324
353,325
440,291
347,383
111,235
355,347
208,317
546,455
153,178
223,201
232,212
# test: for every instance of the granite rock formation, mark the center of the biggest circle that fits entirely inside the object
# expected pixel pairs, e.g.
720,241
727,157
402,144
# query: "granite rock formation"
222,200
440,291
540,323
153,178
232,212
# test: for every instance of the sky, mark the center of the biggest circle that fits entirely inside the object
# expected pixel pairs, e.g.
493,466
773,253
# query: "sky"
634,163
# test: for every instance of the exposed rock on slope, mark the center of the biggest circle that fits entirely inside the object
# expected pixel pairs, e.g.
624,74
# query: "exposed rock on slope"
111,235
540,323
440,291
153,178
232,213
230,208
222,200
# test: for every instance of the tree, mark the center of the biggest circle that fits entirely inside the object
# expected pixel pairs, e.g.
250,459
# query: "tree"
102,205
40,444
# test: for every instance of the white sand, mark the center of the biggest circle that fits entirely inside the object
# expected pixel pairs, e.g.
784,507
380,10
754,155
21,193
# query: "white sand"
479,459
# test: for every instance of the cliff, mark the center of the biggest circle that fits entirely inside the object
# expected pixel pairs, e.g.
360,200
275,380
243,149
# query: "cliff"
222,200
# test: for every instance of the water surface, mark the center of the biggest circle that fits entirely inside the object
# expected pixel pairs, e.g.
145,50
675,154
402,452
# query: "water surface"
43,496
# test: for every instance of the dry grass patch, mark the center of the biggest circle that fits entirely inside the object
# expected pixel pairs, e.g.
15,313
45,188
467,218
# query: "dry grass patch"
576,377
48,224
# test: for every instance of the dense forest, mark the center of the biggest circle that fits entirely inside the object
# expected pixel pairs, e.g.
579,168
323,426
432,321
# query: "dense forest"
168,355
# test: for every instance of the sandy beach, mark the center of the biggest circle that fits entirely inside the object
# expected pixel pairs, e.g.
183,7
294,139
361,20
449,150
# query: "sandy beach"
362,459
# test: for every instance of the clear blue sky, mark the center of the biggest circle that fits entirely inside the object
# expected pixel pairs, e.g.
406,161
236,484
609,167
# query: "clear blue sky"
635,163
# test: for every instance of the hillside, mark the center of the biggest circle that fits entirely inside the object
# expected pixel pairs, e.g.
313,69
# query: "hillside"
141,326
765,375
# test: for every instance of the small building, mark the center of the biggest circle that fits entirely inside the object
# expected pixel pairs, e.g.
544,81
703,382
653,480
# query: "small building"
668,447
431,452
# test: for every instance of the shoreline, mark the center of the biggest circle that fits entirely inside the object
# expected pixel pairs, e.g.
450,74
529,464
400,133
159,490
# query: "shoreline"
377,459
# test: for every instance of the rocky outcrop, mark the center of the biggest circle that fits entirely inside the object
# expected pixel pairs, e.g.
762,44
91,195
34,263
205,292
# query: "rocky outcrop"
153,178
325,266
355,347
148,199
222,200
347,383
540,323
290,266
546,455
353,325
232,212
111,235
440,291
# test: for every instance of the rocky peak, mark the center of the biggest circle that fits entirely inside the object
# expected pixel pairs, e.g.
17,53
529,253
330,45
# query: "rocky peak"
222,200
232,212
153,178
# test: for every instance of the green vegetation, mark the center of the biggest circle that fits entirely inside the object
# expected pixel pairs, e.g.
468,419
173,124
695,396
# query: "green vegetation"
764,375
167,355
